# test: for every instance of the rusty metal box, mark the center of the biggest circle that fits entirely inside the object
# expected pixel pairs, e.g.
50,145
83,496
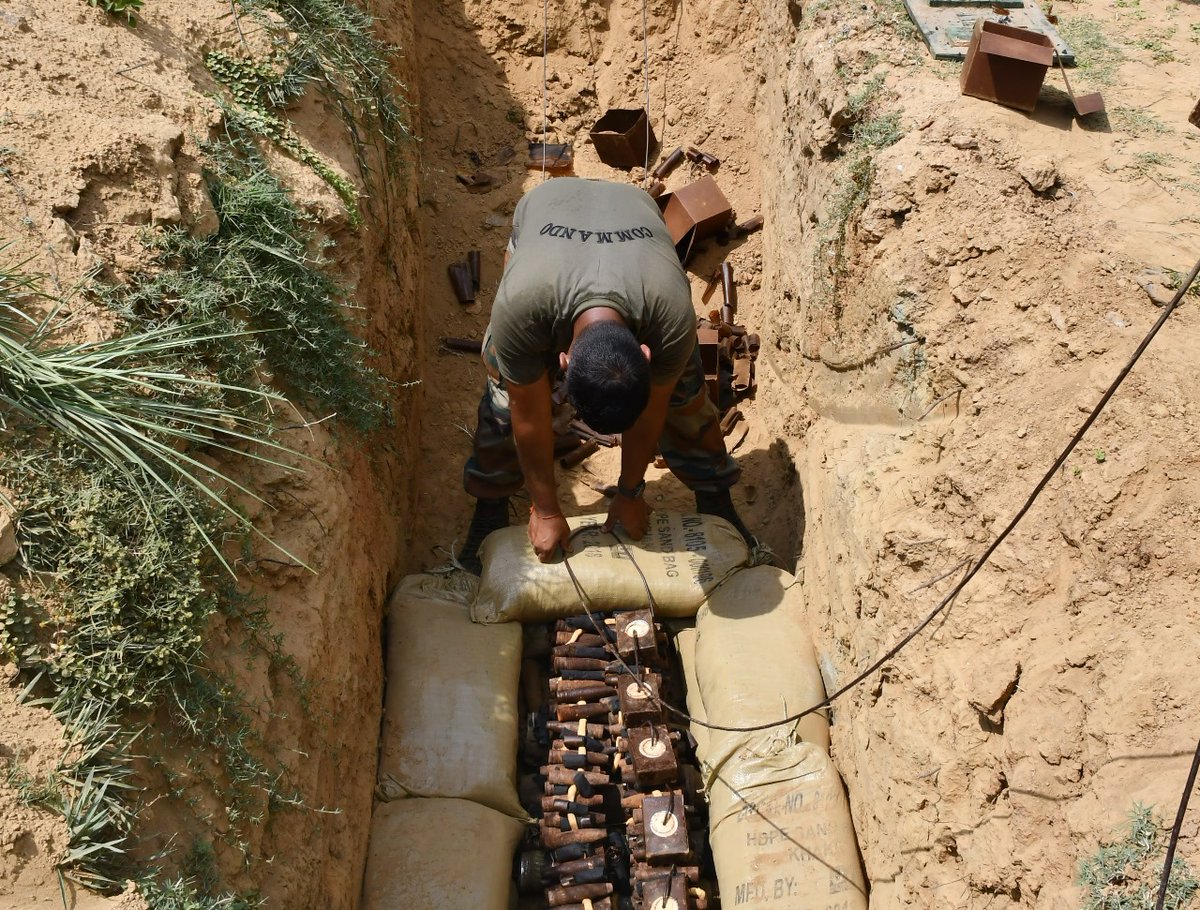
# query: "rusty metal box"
623,137
1006,64
694,212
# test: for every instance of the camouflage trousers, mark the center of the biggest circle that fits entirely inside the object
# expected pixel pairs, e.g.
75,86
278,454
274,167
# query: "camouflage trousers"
691,442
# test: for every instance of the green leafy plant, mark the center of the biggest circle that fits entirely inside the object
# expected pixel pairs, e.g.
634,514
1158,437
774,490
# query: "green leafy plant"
122,401
259,88
263,269
870,130
126,8
354,72
1123,875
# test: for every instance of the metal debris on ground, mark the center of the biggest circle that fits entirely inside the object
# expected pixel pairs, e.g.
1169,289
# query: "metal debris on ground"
554,157
460,281
727,351
693,213
947,25
1091,103
478,182
623,138
1195,118
697,156
1006,64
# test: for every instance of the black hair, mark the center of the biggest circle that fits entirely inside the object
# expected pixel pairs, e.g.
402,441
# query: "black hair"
608,377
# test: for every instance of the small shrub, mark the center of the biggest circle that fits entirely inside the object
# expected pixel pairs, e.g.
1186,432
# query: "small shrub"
126,8
1124,875
263,270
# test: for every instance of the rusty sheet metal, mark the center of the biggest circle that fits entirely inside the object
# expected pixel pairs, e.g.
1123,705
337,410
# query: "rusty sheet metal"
1194,120
694,212
1091,103
947,26
623,137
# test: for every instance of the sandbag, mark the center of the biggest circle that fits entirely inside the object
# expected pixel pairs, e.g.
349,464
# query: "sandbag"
450,712
683,556
439,854
780,830
755,661
685,644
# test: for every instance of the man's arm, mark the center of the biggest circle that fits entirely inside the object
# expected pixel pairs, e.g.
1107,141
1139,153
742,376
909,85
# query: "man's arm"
533,434
638,445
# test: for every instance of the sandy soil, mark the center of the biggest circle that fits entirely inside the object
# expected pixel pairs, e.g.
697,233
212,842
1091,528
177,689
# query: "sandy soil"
99,132
1011,740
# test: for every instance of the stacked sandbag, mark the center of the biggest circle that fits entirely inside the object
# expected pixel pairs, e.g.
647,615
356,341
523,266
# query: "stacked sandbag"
755,659
779,822
683,557
685,645
439,854
450,712
780,829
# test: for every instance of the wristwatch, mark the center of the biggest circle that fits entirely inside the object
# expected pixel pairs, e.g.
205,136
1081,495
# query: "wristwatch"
631,494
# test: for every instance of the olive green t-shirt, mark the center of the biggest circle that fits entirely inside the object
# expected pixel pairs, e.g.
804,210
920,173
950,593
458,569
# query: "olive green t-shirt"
578,244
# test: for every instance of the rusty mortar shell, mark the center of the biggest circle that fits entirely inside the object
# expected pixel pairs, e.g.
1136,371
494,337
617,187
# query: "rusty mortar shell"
580,455
749,226
577,650
460,280
585,640
552,839
580,805
580,663
463,345
729,289
563,822
663,169
475,266
729,421
556,897
595,731
574,867
698,156
585,689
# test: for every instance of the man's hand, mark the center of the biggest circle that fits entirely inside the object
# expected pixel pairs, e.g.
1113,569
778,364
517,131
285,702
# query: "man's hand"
548,534
631,513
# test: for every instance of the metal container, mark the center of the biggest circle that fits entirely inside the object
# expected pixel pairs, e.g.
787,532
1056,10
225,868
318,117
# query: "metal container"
1006,64
623,138
694,212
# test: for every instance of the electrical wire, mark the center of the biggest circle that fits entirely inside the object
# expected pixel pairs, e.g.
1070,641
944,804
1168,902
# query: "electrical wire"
1165,879
978,564
646,79
545,83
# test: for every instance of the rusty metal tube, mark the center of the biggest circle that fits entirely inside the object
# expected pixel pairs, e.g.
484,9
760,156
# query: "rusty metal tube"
668,164
580,455
571,894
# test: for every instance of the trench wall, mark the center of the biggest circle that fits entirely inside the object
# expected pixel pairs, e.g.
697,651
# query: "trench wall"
1013,736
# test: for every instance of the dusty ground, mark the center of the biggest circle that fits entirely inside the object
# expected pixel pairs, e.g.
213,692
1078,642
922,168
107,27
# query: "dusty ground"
1009,741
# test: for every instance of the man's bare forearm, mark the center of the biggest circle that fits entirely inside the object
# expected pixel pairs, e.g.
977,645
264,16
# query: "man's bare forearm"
640,441
533,435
